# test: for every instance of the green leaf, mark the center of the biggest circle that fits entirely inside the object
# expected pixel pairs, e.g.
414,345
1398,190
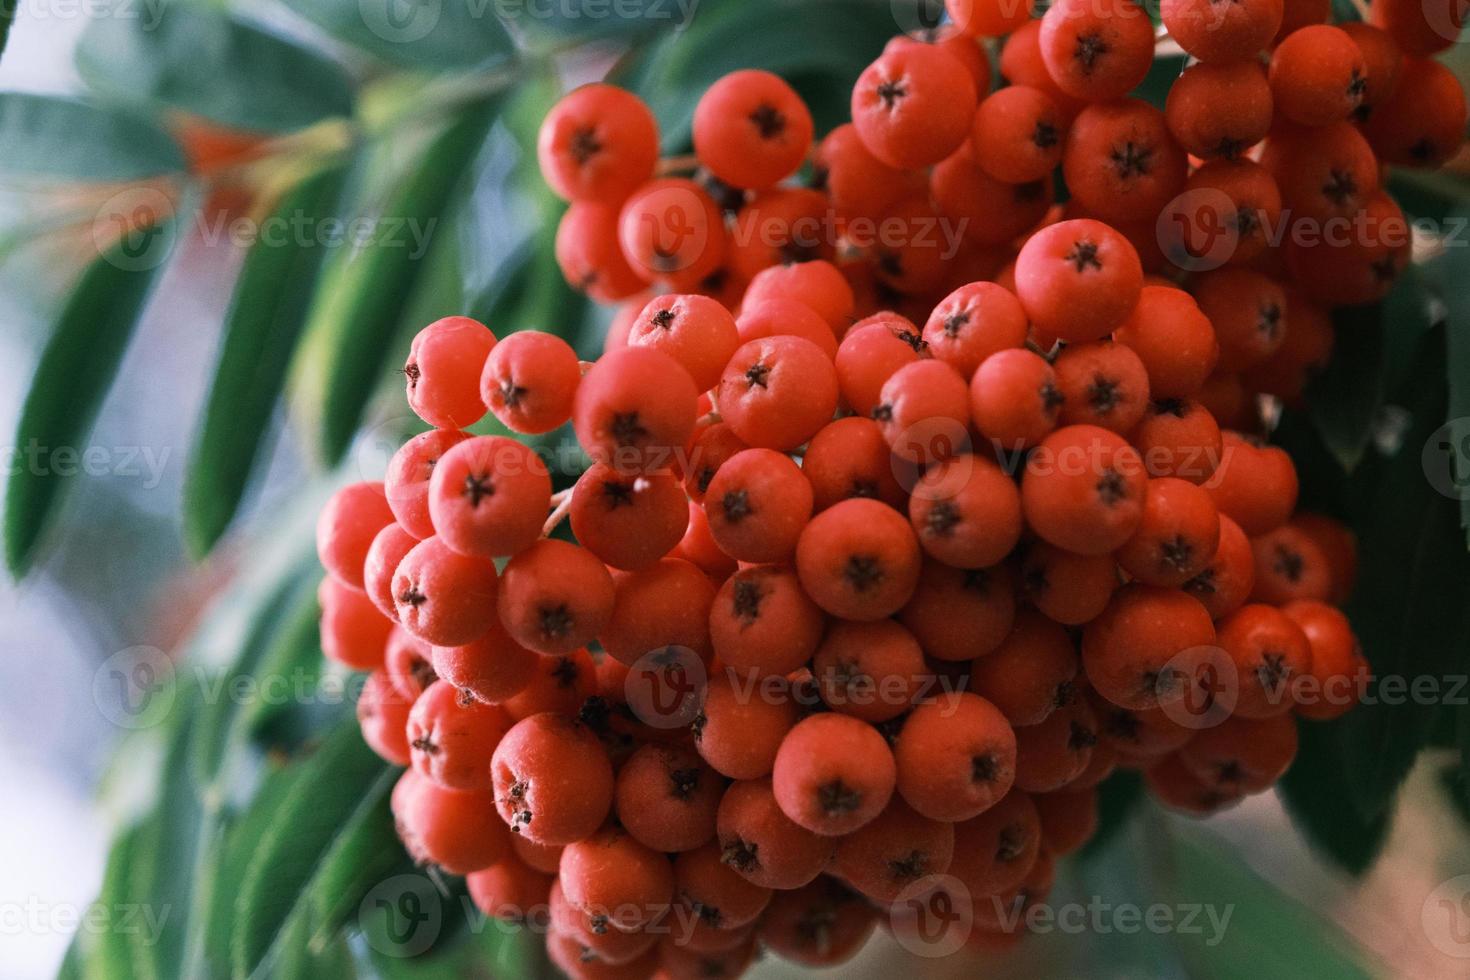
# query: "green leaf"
1449,274
546,26
342,785
363,292
7,21
1118,799
365,854
108,954
1345,398
202,60
68,386
54,139
267,314
1314,790
433,36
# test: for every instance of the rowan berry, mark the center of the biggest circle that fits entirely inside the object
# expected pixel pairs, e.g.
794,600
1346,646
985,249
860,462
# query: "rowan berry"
590,256
698,546
1226,583
407,483
1241,755
820,924
743,722
1007,914
1317,75
924,412
409,663
1303,353
509,890
1420,28
599,143
1269,652
1078,280
1067,588
1179,789
1338,545
757,506
859,560
959,614
1230,212
1051,754
553,781
912,246
554,597
672,231
346,528
1101,383
1014,399
388,549
985,210
1177,537
1017,134
667,797
1289,565
849,458
530,380
610,948
872,671
777,226
955,757
615,882
456,830
562,683
354,632
777,392
580,962
1068,818
833,774
1021,64
1128,651
1254,485
1338,671
444,597
1121,163
857,183
382,714
964,47
715,894
1219,35
966,512
665,604
1219,110
995,851
762,845
751,129
452,736
494,668
628,520
973,322
762,622
1422,124
677,962
1105,761
545,858
777,317
1138,737
489,496
1323,172
897,849
871,354
1383,60
1031,674
443,371
817,284
1173,338
1097,51
913,106
1083,490
634,409
715,443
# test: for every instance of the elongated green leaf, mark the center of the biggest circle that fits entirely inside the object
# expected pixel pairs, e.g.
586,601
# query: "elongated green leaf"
7,20
200,59
267,315
365,854
1449,273
1346,397
435,36
1314,790
1118,800
322,809
362,295
68,386
59,139
108,954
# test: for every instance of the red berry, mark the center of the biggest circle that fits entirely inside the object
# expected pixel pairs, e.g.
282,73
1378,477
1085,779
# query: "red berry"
599,143
444,597
833,774
555,597
751,129
956,757
453,736
634,409
777,392
489,496
553,782
913,106
858,559
346,528
443,371
1078,280
409,471
530,380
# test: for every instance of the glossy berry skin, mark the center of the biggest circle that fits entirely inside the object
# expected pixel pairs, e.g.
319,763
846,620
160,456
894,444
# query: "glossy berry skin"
1255,485
455,830
751,129
671,231
777,392
762,844
346,528
869,355
913,106
1318,75
924,412
382,714
1102,383
966,512
597,144
833,774
757,505
955,757
1097,51
489,496
444,597
634,408
1176,537
1083,490
1121,163
453,736
1078,280
628,521
553,782
1128,649
354,632
590,256
1014,399
1228,580
529,381
1339,673
973,322
554,597
443,371
858,560
899,848
1269,652
1178,437
694,330
1219,35
406,484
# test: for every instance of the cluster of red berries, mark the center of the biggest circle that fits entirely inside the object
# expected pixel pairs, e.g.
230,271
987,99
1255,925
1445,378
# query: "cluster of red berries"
878,577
